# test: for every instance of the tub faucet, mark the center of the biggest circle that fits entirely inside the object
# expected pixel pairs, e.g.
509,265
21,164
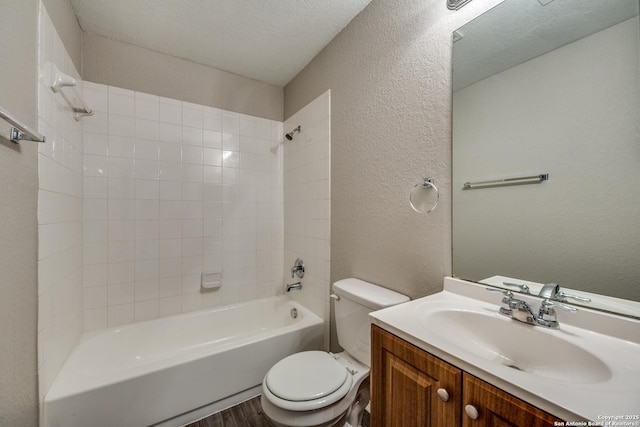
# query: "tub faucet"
294,286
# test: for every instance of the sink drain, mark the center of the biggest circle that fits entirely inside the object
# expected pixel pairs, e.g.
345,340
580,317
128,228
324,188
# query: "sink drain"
513,367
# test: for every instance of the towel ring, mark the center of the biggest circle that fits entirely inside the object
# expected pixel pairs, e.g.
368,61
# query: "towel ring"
426,184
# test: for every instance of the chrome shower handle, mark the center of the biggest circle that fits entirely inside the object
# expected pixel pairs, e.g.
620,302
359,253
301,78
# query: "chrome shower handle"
297,269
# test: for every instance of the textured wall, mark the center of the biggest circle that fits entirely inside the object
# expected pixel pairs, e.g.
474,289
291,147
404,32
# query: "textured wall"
18,238
389,72
114,63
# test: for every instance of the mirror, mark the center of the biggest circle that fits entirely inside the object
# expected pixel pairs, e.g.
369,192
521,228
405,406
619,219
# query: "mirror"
549,89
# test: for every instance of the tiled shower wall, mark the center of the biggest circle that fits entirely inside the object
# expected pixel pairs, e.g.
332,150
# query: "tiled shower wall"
59,214
307,204
172,189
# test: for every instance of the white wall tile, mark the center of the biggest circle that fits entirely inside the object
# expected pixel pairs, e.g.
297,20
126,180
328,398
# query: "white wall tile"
169,171
121,146
147,107
192,115
158,194
98,123
146,149
119,273
60,210
192,154
170,132
212,119
231,122
147,129
97,100
122,125
170,111
121,167
95,143
121,104
192,136
169,152
120,315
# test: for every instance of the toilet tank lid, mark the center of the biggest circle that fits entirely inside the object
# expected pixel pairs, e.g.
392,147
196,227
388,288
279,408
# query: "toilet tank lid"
365,293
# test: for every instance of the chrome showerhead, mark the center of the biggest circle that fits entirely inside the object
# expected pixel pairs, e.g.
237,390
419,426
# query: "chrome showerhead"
289,136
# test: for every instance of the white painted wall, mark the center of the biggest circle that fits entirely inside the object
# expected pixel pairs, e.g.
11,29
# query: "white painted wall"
588,212
307,204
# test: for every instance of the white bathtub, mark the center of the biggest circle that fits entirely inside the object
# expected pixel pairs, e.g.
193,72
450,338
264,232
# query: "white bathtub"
177,369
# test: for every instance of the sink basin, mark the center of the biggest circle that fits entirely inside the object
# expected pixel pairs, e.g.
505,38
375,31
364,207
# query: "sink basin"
588,367
530,349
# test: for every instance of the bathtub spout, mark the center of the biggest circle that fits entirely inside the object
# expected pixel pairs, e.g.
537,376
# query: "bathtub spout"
293,286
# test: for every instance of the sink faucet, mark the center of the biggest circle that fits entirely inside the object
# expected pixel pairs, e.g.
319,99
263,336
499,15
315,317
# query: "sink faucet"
521,310
552,291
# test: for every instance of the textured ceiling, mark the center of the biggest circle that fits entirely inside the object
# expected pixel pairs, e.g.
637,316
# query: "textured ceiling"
268,40
516,31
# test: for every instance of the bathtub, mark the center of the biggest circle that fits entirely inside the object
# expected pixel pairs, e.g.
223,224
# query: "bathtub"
174,370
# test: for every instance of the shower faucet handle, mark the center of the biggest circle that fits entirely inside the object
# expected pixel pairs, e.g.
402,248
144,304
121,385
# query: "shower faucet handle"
297,269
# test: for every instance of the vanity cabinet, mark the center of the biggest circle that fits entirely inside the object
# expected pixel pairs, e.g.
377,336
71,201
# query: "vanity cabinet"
410,387
497,408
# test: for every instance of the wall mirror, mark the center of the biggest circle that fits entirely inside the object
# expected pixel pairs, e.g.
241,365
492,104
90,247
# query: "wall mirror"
549,89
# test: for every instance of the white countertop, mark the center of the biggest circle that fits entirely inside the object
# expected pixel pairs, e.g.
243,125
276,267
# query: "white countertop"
615,340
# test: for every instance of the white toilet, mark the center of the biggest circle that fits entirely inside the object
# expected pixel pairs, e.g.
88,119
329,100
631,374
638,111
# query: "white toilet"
318,389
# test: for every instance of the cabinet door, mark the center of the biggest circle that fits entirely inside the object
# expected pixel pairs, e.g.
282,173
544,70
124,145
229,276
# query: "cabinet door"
404,385
497,408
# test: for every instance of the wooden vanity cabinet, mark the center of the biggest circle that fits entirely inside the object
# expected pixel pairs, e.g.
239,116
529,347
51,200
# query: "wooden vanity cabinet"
410,387
497,408
405,381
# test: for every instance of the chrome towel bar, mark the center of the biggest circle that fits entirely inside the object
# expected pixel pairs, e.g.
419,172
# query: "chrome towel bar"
20,131
508,181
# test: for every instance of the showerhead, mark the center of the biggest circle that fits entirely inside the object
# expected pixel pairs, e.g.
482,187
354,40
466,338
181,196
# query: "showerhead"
289,136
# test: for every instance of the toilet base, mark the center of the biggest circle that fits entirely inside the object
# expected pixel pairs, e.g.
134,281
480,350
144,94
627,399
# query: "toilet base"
351,417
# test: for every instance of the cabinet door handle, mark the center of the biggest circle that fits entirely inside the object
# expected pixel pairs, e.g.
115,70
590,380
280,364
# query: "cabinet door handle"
443,394
472,412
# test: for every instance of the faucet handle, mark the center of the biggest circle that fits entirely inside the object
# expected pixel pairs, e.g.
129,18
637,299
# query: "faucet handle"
547,305
524,288
547,315
561,296
506,308
297,269
505,292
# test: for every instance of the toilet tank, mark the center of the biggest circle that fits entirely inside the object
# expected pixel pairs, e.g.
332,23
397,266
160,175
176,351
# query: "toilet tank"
357,299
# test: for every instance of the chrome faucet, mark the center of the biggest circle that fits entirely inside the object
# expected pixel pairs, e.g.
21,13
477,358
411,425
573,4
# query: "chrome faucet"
297,269
294,286
521,310
552,291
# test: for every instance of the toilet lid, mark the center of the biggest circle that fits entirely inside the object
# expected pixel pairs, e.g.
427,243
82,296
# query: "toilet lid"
305,376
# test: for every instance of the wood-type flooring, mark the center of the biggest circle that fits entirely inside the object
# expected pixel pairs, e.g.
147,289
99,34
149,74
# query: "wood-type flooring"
246,414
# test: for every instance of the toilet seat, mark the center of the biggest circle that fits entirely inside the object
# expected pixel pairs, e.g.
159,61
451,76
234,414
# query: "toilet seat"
306,381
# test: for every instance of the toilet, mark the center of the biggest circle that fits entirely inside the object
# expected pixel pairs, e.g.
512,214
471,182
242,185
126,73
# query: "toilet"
320,389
